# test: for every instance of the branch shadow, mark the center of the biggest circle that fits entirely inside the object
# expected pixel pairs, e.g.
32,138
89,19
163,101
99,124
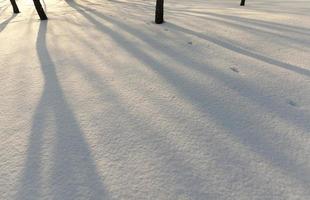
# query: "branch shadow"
71,171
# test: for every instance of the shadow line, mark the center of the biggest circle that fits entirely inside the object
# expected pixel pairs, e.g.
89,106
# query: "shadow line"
57,144
234,48
248,91
208,103
6,22
254,29
257,22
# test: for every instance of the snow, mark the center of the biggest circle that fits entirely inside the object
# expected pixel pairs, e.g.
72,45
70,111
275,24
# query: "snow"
101,103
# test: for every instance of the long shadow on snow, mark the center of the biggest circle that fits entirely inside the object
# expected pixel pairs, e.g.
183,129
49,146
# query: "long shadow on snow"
256,30
246,90
178,166
155,141
198,96
72,173
277,7
6,22
149,139
260,23
242,51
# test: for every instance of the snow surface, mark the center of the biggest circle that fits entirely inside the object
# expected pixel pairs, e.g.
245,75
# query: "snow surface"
101,103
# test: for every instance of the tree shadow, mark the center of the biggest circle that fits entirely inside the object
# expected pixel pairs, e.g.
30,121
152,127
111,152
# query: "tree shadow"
6,22
57,145
222,43
277,7
208,103
282,35
242,51
257,22
248,90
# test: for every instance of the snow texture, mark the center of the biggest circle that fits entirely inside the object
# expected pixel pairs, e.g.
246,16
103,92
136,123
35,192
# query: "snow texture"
101,103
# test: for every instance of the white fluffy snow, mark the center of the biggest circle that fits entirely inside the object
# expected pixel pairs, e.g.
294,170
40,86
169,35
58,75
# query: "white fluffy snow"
101,103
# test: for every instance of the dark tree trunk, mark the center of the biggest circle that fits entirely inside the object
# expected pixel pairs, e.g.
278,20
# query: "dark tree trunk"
15,7
159,14
242,3
40,10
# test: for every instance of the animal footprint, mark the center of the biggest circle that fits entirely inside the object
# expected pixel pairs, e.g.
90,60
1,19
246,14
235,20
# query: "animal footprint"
234,69
292,103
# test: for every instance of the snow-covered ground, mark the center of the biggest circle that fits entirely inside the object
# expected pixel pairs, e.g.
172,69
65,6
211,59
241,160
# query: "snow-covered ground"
101,103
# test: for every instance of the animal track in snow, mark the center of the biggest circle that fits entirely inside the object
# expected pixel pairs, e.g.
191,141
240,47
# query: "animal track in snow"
292,103
234,69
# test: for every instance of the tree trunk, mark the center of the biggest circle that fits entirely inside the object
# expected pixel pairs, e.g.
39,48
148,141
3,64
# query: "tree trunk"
242,3
15,7
159,14
39,9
